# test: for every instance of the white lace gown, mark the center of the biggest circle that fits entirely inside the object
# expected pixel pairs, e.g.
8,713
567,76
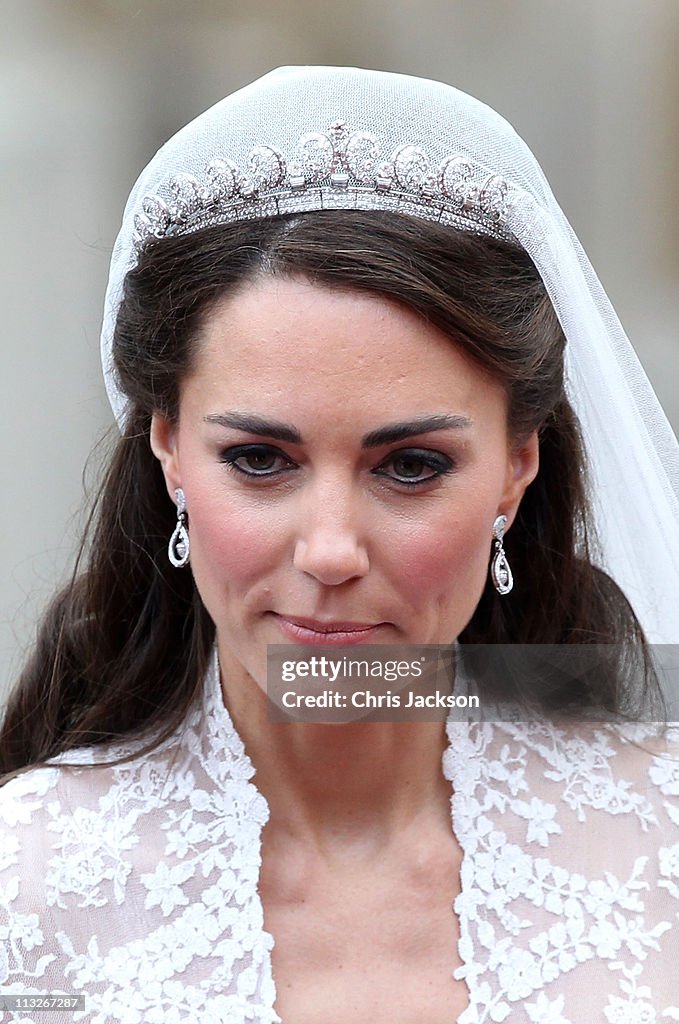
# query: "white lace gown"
137,886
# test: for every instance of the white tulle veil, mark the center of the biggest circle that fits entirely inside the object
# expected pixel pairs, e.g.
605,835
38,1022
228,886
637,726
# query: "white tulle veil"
427,149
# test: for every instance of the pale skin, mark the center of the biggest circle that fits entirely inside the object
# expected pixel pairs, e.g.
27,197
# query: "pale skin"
332,530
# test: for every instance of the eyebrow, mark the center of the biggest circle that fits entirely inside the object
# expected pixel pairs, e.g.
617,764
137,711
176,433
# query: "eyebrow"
252,424
410,428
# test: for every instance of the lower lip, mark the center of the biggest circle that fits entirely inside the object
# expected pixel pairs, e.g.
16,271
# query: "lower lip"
305,635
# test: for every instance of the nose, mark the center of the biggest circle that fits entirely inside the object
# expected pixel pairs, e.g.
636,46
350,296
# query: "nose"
329,544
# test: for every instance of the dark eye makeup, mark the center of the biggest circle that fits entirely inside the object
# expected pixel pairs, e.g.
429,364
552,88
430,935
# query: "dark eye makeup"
414,466
407,467
256,460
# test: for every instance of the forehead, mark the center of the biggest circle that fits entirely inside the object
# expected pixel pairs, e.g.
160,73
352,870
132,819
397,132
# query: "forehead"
288,341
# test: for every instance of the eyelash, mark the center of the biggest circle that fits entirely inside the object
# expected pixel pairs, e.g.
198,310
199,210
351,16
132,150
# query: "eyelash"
437,462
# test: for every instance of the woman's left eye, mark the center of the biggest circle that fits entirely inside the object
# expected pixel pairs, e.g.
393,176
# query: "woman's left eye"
414,466
256,460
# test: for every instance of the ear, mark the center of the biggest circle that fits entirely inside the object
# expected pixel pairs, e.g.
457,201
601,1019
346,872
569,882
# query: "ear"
164,447
524,462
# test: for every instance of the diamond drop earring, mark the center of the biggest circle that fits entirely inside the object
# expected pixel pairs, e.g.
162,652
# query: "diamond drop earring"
500,572
179,548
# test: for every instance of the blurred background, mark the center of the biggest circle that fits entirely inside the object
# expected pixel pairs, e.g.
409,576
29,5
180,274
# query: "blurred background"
91,88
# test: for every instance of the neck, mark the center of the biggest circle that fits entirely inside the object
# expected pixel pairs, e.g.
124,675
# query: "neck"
339,783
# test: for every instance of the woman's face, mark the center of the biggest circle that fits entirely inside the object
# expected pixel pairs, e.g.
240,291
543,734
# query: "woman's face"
343,463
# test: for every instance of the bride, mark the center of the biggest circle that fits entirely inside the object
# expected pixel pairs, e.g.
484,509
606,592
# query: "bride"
370,392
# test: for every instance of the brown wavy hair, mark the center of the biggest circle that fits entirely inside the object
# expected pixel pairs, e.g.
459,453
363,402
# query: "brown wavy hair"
124,646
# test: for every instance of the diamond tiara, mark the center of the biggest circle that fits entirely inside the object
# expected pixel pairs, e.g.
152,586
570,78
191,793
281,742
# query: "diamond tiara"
337,169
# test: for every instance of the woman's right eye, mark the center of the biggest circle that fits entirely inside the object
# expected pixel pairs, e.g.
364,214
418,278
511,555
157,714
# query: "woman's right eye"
256,460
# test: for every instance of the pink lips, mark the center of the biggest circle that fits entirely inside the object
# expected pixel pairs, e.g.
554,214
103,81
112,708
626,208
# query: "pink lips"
312,631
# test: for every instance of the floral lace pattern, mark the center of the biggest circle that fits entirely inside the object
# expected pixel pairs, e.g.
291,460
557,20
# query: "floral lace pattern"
569,902
568,846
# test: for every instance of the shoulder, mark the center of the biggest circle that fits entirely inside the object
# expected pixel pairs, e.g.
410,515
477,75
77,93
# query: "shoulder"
611,767
635,757
622,779
107,869
69,840
56,816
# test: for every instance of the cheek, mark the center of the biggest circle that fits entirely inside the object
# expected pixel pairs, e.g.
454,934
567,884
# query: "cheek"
230,547
455,552
445,569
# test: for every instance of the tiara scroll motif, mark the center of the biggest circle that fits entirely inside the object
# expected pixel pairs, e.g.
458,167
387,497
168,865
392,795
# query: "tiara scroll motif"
326,170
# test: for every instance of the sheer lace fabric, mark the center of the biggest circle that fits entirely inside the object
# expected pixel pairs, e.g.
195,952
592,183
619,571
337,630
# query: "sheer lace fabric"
138,885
